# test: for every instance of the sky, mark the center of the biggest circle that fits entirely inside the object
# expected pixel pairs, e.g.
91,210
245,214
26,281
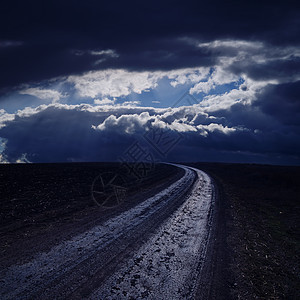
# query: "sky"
212,81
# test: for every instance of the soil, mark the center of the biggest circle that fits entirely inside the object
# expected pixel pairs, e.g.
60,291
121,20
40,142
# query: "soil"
77,266
43,204
254,248
257,249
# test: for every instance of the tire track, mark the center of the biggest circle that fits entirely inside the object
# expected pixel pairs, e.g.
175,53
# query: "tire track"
69,267
169,264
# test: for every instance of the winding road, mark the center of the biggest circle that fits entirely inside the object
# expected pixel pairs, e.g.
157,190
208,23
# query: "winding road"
155,250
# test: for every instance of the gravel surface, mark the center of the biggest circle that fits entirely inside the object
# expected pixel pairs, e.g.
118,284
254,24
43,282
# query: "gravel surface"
156,249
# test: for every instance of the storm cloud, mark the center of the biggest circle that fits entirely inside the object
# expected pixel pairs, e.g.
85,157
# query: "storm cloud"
51,39
78,133
83,81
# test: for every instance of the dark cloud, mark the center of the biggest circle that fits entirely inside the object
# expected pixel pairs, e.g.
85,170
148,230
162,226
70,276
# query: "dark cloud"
282,102
58,135
65,134
258,40
144,34
281,69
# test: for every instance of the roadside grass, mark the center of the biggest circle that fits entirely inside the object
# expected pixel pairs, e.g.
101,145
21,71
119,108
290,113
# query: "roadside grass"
263,219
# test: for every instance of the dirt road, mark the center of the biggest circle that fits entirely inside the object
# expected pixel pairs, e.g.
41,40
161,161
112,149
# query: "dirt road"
155,250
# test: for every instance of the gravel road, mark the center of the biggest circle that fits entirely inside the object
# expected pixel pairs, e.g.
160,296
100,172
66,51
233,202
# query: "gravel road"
155,250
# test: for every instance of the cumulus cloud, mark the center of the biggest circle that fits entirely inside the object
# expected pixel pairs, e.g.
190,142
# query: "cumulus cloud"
103,132
95,126
43,94
189,75
204,87
104,101
5,117
126,123
120,82
256,60
113,83
257,116
236,62
183,119
217,127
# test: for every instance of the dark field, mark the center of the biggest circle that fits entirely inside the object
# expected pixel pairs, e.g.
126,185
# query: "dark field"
257,246
42,204
261,218
33,191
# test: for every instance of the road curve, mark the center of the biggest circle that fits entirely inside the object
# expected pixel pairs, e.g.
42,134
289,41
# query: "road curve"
155,250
